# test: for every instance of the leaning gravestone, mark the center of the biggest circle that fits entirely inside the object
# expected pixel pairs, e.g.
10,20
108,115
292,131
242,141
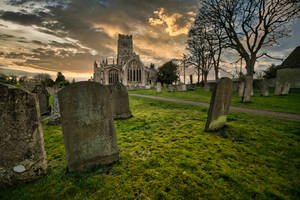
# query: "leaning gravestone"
219,105
241,88
286,88
43,97
158,87
278,88
22,156
54,118
119,102
87,123
170,88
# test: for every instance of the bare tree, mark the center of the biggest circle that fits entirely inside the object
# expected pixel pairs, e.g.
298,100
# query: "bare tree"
251,25
200,52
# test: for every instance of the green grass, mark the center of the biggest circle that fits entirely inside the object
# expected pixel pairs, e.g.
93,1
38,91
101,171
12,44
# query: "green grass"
288,104
165,154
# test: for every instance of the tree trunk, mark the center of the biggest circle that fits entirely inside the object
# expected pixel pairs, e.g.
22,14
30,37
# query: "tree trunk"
216,73
249,80
198,75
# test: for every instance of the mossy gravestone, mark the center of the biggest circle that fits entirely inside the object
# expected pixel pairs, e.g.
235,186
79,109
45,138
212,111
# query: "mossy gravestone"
54,118
22,156
43,97
119,101
219,105
87,124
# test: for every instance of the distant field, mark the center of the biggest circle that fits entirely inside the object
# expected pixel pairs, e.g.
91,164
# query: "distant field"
165,154
288,104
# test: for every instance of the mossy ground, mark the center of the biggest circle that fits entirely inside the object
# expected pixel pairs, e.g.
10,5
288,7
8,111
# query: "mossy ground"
289,104
165,154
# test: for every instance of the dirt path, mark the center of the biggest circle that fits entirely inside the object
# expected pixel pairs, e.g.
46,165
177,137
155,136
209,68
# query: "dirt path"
239,109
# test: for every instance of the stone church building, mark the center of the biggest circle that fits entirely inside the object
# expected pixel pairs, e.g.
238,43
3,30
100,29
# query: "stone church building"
128,68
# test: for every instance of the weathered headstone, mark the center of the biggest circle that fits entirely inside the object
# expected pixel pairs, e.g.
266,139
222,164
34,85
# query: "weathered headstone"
248,89
119,102
54,118
181,88
219,105
265,89
22,156
158,87
285,88
170,88
87,123
241,88
43,97
278,88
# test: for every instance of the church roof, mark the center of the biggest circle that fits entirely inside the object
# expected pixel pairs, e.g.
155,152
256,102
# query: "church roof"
293,60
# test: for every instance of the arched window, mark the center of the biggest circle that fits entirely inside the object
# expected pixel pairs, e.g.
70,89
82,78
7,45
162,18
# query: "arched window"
113,76
134,72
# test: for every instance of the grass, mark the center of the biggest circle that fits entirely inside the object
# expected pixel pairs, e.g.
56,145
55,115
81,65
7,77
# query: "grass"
288,104
165,154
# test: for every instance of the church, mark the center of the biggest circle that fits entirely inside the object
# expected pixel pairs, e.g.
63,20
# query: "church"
128,68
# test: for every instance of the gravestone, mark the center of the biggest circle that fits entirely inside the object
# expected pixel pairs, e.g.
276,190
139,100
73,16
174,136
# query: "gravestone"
87,123
241,88
119,101
265,89
158,87
219,105
43,97
286,88
22,156
248,89
278,88
54,118
181,88
170,88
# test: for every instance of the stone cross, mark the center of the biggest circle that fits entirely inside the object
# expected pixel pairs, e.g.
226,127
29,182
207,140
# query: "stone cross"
22,156
119,101
219,105
87,124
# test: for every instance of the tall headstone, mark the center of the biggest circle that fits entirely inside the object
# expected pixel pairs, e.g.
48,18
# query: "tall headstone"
219,105
87,123
286,88
54,118
241,88
43,97
278,88
158,87
265,89
248,89
170,88
119,101
22,156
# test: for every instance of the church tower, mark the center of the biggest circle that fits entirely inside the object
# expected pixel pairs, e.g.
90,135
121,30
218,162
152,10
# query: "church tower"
125,48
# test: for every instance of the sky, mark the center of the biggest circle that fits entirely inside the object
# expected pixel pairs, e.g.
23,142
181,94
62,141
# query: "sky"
47,36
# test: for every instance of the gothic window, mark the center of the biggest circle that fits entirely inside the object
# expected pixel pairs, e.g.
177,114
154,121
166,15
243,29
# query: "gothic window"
134,72
113,76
